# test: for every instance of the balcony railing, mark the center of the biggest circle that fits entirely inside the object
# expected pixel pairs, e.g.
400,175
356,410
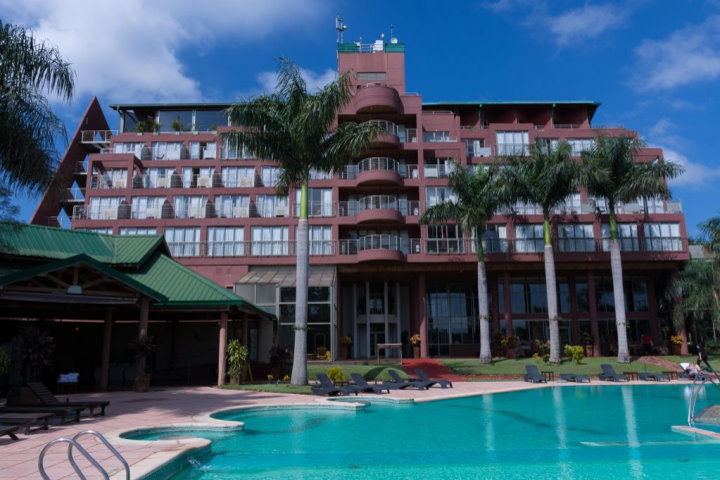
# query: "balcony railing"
351,246
316,209
277,248
372,202
378,163
102,182
97,137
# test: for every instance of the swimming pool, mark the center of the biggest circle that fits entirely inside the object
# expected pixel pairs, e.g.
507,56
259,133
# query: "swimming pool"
574,433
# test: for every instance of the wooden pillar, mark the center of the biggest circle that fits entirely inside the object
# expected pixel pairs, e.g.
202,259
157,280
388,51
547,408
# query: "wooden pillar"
222,347
592,302
422,316
143,332
105,358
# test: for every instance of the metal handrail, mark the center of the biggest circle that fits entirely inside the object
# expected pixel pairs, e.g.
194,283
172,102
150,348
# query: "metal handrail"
694,393
71,442
100,437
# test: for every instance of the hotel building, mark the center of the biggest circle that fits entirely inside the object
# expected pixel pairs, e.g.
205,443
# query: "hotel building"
377,275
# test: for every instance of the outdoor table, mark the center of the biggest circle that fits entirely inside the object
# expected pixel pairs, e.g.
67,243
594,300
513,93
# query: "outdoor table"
26,419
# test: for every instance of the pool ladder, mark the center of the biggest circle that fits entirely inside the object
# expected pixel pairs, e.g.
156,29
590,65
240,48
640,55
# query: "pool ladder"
73,442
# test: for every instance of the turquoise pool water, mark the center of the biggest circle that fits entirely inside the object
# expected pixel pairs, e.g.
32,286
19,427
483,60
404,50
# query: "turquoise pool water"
609,432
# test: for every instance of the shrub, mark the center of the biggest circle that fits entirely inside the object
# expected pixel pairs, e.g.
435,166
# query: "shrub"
577,352
335,374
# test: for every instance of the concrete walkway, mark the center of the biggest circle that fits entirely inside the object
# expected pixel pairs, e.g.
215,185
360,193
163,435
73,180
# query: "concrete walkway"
164,407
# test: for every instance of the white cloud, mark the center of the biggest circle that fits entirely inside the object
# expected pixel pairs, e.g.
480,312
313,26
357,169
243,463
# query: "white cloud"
314,80
585,23
129,49
697,176
686,56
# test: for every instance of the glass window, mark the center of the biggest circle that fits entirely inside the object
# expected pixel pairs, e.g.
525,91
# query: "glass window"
582,297
529,238
580,145
190,206
662,237
167,151
104,208
319,202
226,241
147,207
320,240
137,231
272,205
564,296
269,241
270,176
636,294
233,151
438,195
512,143
576,237
157,177
199,150
627,236
604,294
233,177
232,206
444,239
437,136
371,76
183,242
209,120
126,147
175,120
474,147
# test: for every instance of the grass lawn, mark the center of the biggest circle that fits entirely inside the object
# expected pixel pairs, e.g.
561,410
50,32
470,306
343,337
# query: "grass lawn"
589,366
271,387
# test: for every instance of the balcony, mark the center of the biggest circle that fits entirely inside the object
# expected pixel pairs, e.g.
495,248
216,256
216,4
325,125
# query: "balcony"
379,170
375,248
378,98
379,208
389,137
316,209
102,182
97,139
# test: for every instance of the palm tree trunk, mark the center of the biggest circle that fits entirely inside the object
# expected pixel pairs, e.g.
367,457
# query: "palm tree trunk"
485,351
299,370
551,290
618,292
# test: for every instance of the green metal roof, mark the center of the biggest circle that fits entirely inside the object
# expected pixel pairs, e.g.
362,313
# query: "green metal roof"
48,242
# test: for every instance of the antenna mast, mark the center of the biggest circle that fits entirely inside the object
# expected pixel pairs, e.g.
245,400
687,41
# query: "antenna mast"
340,27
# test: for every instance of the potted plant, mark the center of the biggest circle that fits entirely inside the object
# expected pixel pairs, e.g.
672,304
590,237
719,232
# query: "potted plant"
345,342
415,342
509,345
236,356
676,342
177,125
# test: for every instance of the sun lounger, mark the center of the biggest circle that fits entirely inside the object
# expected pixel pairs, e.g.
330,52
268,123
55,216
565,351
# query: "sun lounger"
327,387
362,384
609,374
658,377
57,411
407,382
9,431
46,397
533,375
574,377
26,419
434,381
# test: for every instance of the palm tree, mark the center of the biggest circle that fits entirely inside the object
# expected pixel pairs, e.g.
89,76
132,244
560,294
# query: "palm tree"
296,128
546,178
478,197
28,127
610,172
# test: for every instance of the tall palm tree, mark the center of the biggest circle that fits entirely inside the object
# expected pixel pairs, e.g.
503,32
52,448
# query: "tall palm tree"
610,172
28,127
478,198
297,128
546,178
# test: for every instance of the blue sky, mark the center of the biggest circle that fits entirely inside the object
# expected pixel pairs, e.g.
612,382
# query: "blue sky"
654,65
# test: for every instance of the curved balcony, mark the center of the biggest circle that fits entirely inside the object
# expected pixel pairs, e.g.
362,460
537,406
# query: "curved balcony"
375,248
377,98
379,208
389,137
378,171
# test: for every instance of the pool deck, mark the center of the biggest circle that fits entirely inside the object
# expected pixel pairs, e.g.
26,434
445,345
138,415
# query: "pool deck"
186,406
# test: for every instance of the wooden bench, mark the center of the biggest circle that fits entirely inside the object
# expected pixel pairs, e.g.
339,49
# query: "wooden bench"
27,419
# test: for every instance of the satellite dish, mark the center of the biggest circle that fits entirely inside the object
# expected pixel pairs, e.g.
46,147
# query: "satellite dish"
393,40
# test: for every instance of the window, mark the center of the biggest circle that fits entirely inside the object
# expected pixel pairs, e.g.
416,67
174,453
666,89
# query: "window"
576,237
127,147
272,205
200,150
319,175
233,177
319,202
183,242
604,295
582,296
270,176
232,206
437,136
475,147
572,204
627,236
190,206
444,239
512,143
319,317
209,120
232,151
269,241
111,178
197,177
320,240
662,237
529,238
580,145
107,231
528,295
494,238
104,208
146,207
175,120
157,177
167,150
438,195
636,294
438,167
137,231
226,241
371,76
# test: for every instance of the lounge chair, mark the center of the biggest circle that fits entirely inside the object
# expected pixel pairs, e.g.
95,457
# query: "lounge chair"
609,374
658,377
533,375
408,382
364,386
327,387
47,398
9,430
434,381
57,411
574,377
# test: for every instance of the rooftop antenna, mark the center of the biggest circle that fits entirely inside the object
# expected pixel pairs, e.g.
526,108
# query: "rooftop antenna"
392,34
340,27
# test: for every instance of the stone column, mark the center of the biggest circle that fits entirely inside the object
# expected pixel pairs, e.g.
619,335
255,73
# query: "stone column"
222,347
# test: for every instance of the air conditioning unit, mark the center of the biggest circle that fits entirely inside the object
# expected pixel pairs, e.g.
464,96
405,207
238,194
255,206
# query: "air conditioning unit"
247,181
163,182
281,211
241,212
152,212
